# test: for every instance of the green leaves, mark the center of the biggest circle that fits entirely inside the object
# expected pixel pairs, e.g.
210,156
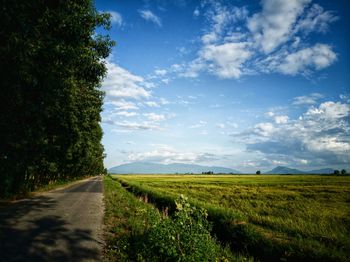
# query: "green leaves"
184,237
51,70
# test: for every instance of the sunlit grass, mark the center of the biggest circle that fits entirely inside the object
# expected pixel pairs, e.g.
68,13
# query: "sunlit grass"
304,210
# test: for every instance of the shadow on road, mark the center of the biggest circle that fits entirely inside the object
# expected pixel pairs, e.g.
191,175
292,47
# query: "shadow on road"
93,186
40,237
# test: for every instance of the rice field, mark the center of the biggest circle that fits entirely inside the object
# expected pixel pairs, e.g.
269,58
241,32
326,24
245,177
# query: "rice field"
300,216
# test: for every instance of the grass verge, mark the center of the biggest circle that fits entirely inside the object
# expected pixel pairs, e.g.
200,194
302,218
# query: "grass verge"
138,231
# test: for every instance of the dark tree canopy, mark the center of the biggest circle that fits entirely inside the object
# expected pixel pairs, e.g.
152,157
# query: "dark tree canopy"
51,70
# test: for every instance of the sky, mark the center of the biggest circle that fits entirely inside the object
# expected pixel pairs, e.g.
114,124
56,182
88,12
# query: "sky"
248,85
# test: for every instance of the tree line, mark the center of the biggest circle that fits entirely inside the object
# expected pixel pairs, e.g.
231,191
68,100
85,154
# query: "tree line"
51,70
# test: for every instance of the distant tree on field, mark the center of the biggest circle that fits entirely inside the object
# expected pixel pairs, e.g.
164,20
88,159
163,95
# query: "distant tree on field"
343,171
336,172
258,172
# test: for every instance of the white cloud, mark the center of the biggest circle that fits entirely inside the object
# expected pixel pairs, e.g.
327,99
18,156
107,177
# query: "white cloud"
200,124
320,136
155,117
116,18
281,119
126,113
316,19
151,104
317,57
264,129
137,126
272,40
330,110
304,161
163,101
120,84
166,81
226,60
209,38
151,17
273,26
167,154
307,100
123,105
160,72
192,69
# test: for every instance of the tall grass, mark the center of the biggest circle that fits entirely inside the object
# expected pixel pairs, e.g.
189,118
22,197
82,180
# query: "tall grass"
137,231
272,217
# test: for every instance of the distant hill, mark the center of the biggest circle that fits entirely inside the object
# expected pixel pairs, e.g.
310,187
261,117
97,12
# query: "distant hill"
284,170
287,170
322,171
153,168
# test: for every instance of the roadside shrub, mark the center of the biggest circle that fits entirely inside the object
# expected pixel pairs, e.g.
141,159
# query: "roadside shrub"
185,237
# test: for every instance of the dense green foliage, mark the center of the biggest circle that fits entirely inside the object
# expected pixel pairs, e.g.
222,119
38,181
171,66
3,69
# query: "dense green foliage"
271,217
137,231
51,68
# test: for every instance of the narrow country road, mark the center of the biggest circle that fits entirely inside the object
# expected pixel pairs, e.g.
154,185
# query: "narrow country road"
60,225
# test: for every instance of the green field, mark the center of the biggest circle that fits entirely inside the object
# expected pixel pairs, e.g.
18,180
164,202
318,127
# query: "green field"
293,217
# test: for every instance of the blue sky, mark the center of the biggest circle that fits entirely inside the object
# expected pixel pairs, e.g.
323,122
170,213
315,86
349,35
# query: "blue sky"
242,84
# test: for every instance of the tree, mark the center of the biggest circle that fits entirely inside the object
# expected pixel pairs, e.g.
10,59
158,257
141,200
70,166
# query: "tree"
336,172
51,69
258,172
343,172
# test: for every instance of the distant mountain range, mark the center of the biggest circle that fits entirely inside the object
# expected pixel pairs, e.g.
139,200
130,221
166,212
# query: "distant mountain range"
153,168
287,170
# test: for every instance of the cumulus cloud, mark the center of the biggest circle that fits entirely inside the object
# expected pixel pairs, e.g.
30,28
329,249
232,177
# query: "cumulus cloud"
316,19
264,129
274,24
155,117
126,113
167,154
137,126
160,102
281,119
313,58
116,18
272,40
307,100
151,104
125,93
121,84
123,105
160,72
320,136
148,15
226,60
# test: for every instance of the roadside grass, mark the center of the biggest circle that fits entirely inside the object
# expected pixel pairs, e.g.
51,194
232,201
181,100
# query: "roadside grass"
138,231
271,217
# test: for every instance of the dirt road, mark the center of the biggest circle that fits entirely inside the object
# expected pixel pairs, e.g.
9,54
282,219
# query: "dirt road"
61,225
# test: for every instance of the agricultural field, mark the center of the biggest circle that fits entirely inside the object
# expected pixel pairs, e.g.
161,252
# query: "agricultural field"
290,217
137,231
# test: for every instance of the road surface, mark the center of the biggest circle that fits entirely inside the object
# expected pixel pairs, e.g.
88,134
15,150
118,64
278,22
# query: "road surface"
60,225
